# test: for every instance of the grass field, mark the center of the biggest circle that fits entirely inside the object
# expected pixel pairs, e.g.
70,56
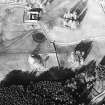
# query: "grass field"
11,26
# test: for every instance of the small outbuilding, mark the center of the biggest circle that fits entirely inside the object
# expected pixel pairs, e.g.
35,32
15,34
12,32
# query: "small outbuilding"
32,15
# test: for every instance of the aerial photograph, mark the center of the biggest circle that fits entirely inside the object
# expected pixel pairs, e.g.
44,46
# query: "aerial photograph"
52,52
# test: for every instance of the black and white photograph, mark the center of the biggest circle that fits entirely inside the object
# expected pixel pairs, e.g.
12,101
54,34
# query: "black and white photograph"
52,52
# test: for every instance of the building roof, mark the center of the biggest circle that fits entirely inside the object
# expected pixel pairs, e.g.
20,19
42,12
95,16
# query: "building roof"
36,10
